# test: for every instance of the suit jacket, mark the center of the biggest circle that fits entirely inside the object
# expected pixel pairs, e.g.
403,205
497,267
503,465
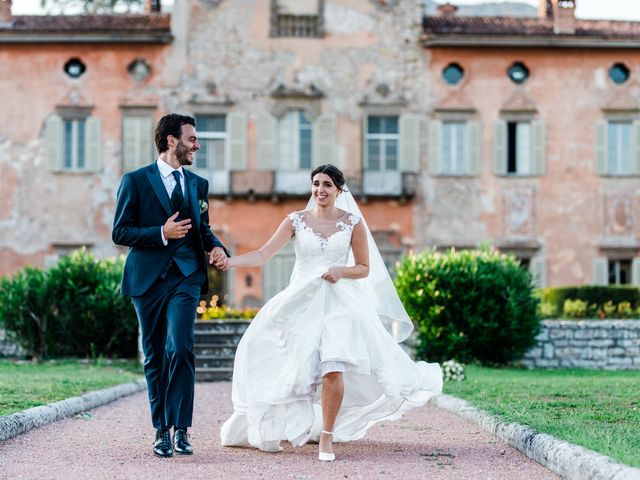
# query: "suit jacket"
142,208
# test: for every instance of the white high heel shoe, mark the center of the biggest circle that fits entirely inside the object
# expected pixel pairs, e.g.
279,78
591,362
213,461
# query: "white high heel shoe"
324,456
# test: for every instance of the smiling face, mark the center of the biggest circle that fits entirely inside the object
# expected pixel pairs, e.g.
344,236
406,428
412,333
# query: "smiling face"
324,191
187,145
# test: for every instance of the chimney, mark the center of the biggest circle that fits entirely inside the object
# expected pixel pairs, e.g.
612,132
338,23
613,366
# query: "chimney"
564,16
545,9
447,10
5,12
151,6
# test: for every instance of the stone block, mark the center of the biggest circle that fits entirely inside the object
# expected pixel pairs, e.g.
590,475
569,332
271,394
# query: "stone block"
544,363
601,333
556,333
619,361
632,352
532,353
564,343
547,350
600,343
628,343
583,333
543,336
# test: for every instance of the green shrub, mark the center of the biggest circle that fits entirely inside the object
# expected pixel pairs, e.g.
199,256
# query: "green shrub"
590,301
72,309
26,311
469,305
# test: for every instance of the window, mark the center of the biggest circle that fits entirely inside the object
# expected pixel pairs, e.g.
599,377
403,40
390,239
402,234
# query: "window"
454,148
74,144
297,18
382,138
295,144
73,141
74,68
518,148
619,272
138,147
212,135
619,148
518,73
453,73
619,73
276,274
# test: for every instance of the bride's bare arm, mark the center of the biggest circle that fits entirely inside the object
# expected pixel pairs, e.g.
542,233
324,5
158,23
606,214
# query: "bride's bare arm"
360,248
261,256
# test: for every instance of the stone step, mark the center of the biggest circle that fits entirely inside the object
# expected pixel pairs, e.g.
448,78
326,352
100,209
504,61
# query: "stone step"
222,326
223,338
214,349
213,374
214,361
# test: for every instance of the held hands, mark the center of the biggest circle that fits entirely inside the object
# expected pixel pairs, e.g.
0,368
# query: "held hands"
218,258
173,230
333,275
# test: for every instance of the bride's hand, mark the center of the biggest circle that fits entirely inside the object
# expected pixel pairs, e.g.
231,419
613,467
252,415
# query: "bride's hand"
333,275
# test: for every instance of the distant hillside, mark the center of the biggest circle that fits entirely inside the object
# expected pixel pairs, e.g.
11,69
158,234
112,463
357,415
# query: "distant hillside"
486,9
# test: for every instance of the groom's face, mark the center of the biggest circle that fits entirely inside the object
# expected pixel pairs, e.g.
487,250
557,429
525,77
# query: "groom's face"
187,145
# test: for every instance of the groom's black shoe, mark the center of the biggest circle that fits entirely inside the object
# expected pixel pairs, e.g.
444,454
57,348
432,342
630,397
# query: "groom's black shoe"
162,446
181,443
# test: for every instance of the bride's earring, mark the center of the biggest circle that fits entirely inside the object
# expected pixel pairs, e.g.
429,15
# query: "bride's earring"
324,456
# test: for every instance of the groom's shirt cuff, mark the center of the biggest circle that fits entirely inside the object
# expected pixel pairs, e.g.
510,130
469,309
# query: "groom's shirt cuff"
164,240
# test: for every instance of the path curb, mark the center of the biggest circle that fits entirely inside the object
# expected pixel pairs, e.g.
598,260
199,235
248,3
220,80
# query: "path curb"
570,461
21,422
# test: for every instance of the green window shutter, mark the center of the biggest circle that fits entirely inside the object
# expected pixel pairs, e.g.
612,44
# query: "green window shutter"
538,269
365,149
474,148
600,271
266,141
538,147
93,144
409,143
635,146
324,140
237,141
54,143
601,147
500,147
434,132
137,142
635,272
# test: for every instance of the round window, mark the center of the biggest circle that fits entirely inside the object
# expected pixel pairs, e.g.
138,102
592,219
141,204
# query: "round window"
518,72
452,73
74,68
619,73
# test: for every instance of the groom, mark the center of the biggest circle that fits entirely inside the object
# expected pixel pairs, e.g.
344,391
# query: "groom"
161,215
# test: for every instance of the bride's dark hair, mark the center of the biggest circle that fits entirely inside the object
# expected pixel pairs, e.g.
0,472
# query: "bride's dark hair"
334,173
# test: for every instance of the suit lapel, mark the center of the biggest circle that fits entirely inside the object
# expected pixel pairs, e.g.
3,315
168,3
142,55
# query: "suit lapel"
192,184
153,174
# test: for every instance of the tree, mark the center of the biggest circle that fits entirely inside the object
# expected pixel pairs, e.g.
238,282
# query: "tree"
90,7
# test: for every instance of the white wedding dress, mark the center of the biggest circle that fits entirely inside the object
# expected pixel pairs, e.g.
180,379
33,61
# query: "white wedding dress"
313,327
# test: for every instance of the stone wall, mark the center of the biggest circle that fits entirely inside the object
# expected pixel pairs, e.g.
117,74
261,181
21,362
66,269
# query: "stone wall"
606,344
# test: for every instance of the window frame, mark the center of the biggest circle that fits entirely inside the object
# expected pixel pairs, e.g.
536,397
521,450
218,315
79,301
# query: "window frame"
383,138
297,129
214,135
279,29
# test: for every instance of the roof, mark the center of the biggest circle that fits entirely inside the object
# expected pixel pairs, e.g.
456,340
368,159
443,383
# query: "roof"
120,28
527,31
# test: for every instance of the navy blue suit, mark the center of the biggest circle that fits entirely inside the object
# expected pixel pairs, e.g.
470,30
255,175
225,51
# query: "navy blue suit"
165,283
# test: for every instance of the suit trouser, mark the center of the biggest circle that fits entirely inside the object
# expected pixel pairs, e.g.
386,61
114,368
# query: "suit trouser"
166,313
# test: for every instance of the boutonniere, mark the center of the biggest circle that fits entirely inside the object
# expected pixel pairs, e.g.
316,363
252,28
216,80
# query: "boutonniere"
204,206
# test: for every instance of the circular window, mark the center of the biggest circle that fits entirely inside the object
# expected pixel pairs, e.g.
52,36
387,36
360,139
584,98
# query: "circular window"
452,73
619,73
74,68
518,72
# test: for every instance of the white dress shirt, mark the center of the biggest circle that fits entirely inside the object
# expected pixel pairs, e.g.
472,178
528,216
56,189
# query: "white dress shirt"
166,173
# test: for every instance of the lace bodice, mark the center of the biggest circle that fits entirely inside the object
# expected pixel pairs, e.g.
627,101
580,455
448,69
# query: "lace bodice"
320,245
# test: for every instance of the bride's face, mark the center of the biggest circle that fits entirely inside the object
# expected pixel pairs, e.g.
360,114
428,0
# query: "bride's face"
323,189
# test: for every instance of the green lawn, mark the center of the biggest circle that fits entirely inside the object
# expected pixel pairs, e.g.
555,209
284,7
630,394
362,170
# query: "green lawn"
597,409
25,385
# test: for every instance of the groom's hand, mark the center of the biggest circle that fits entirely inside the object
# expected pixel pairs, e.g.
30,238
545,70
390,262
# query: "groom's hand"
173,230
219,259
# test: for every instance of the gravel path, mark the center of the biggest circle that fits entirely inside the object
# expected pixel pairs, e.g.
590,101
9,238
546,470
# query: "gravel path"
114,442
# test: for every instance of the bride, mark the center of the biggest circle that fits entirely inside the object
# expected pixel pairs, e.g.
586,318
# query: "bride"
320,362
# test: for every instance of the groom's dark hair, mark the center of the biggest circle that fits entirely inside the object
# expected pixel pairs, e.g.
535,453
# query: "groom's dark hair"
171,124
334,173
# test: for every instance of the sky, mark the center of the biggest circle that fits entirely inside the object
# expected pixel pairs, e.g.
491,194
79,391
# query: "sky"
604,9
